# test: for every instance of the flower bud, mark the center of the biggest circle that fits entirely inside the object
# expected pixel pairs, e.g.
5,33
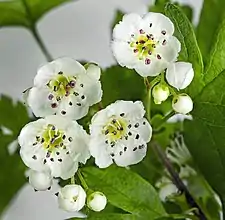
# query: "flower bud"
182,104
160,93
97,201
71,198
41,181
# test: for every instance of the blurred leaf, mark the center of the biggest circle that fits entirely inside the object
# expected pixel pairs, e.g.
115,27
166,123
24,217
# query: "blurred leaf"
101,216
13,117
190,51
205,134
216,56
208,25
120,83
126,190
25,12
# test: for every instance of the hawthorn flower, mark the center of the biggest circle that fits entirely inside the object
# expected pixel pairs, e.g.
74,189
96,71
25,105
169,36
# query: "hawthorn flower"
71,198
119,134
97,201
179,74
54,144
160,93
145,44
40,181
64,87
182,103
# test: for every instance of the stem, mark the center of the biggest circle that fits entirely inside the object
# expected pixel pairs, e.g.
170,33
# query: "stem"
35,32
164,120
83,182
178,182
40,43
72,180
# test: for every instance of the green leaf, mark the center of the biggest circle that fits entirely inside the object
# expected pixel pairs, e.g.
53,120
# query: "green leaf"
126,190
120,83
189,48
204,135
101,216
13,117
25,12
216,56
208,25
117,18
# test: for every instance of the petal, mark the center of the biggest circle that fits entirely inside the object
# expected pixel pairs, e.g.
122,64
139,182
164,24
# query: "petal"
130,152
80,143
142,128
180,74
153,69
124,54
93,71
128,26
91,90
159,23
66,65
98,149
129,108
39,103
170,50
72,107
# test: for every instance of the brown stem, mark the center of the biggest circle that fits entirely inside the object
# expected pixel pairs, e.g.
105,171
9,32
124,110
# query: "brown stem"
178,182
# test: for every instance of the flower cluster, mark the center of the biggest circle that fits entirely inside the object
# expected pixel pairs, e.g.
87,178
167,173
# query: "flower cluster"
55,145
147,45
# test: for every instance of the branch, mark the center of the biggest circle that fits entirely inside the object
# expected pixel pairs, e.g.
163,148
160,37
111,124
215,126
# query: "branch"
177,181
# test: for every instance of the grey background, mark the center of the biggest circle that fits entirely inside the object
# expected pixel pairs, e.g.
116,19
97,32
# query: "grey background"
80,30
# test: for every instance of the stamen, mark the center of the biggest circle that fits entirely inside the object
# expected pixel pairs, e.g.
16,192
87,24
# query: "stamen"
163,32
53,105
147,61
50,96
159,57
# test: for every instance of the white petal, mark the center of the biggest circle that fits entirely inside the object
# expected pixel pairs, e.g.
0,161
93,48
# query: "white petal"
91,89
98,149
31,155
153,69
124,54
182,104
68,66
97,201
159,23
129,108
40,180
128,26
170,50
142,128
134,153
39,103
180,74
94,71
72,107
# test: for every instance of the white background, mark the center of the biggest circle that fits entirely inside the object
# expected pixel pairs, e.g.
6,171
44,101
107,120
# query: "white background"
81,30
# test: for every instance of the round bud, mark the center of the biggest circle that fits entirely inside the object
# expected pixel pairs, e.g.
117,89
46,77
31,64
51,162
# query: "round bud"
41,181
71,198
160,93
97,201
182,104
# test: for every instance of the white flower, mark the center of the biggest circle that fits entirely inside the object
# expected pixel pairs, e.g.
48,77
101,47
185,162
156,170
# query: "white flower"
145,43
182,103
40,181
54,144
179,74
97,201
71,198
64,87
160,93
119,134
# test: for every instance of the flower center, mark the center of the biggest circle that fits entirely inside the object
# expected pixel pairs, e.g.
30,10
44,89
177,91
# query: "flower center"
143,45
115,129
62,85
51,138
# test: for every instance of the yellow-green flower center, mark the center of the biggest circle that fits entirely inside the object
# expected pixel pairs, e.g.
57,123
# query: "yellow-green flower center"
62,85
115,129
